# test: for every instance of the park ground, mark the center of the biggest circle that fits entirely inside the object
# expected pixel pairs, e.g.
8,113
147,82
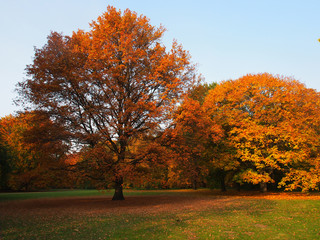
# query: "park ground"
159,214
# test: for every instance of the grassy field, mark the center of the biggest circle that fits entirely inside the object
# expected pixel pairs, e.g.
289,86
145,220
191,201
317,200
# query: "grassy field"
172,214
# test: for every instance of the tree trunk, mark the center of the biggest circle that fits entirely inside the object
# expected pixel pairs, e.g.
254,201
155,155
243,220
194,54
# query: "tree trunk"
223,181
263,187
223,184
194,184
118,193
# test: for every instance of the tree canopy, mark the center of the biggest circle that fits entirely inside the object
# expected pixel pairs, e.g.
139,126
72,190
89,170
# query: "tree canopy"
110,85
271,126
31,147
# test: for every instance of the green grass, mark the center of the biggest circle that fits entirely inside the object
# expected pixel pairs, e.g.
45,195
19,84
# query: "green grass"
86,193
244,219
50,194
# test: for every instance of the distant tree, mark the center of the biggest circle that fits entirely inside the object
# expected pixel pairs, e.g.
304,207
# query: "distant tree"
192,130
110,85
152,163
217,153
32,149
200,91
270,124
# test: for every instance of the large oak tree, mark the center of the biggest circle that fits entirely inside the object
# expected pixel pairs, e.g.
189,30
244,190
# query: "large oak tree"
109,85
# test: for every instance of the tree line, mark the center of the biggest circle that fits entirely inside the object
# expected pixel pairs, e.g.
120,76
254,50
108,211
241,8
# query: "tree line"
112,107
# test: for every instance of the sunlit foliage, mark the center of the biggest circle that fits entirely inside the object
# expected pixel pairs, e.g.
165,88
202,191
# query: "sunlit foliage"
272,124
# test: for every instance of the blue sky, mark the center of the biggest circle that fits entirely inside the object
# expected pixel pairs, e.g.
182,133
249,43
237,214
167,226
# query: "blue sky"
227,39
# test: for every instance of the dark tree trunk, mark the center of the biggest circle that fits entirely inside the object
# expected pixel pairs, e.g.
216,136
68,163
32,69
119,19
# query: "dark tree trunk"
263,187
194,184
222,178
223,183
118,193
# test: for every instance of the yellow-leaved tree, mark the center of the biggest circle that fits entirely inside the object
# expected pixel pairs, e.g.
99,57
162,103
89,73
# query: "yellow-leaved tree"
271,126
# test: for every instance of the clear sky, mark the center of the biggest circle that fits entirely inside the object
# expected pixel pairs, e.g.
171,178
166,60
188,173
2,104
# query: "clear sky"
227,38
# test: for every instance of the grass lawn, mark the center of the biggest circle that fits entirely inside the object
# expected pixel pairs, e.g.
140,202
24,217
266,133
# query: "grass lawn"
170,214
89,193
50,194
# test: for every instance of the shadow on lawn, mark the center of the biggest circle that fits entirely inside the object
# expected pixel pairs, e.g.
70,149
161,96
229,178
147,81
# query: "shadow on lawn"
104,205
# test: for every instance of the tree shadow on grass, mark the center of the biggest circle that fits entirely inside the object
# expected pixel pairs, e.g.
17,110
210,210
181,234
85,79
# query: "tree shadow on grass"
104,205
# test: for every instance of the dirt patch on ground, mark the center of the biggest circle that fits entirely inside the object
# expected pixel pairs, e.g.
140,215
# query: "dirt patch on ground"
135,204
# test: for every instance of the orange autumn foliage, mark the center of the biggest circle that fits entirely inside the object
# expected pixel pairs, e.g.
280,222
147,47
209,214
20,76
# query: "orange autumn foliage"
188,139
34,147
272,124
110,85
152,161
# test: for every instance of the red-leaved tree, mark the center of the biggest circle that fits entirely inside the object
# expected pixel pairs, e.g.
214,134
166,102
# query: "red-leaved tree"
110,85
